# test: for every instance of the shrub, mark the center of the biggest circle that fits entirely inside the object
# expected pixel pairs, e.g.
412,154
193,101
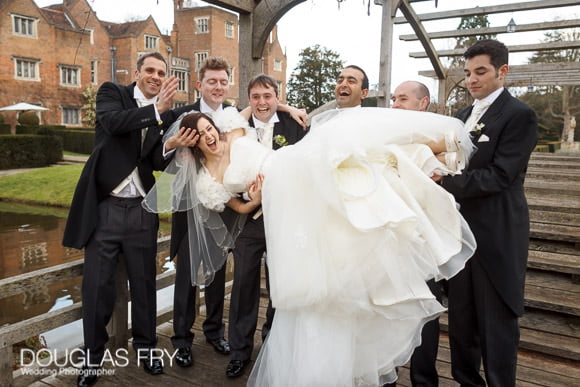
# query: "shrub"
28,118
5,129
29,151
77,140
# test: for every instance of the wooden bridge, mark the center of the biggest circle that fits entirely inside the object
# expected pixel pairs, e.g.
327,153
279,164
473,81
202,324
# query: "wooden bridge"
550,329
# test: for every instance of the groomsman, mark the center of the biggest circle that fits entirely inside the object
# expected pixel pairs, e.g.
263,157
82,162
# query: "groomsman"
487,296
412,95
213,84
106,216
275,129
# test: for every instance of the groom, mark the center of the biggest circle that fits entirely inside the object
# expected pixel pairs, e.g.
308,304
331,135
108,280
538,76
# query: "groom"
487,296
275,129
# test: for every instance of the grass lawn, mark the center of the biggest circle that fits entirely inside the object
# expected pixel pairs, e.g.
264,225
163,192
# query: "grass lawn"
50,186
53,186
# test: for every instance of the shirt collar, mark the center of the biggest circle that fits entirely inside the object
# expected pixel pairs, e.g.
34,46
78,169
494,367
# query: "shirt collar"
260,124
205,108
491,97
139,96
348,108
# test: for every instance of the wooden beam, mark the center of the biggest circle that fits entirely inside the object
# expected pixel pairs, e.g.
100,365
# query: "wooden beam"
551,46
539,74
431,52
239,6
496,30
533,5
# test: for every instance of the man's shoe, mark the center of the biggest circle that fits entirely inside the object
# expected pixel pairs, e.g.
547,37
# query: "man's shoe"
236,368
183,357
220,345
87,377
152,365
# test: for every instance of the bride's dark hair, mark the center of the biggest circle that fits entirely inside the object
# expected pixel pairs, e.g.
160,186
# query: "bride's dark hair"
190,121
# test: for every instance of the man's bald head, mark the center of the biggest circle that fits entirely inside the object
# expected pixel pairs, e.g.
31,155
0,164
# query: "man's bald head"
411,95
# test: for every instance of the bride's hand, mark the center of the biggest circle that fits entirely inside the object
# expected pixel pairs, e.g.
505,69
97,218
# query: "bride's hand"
255,189
184,137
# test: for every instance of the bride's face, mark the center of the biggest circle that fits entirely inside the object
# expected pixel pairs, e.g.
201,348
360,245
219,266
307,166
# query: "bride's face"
209,138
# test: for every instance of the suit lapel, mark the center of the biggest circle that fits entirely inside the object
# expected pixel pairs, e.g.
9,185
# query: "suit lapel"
494,112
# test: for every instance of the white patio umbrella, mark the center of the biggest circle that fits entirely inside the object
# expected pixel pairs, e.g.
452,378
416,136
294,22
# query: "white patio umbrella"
22,106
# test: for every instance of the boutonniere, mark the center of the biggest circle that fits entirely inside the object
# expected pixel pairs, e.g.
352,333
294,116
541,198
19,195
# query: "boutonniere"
280,140
477,128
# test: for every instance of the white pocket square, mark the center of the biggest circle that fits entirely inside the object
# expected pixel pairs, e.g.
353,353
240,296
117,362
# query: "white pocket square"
483,138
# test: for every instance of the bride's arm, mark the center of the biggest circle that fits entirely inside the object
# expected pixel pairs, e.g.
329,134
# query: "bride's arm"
255,194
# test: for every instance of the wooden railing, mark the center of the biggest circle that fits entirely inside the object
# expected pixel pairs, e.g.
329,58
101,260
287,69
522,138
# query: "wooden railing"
118,328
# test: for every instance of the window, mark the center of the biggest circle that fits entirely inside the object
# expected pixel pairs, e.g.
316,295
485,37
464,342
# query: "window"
91,32
69,76
71,116
151,42
179,104
231,75
200,57
182,77
277,65
25,26
229,29
94,68
26,69
202,25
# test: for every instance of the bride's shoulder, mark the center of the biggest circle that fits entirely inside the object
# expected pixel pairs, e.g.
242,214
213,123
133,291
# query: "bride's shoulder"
229,119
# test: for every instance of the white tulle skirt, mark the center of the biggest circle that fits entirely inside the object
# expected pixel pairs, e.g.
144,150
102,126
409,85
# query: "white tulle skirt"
354,228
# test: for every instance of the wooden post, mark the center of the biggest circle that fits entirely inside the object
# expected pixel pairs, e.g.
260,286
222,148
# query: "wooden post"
249,65
6,361
442,96
119,324
386,56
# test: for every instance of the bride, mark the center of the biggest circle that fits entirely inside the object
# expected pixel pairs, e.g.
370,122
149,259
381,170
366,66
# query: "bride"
354,227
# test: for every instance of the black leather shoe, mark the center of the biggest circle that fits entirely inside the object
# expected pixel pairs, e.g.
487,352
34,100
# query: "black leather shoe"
152,365
183,357
236,368
87,377
220,345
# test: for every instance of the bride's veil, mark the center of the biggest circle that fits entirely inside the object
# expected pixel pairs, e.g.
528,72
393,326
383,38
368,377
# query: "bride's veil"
210,234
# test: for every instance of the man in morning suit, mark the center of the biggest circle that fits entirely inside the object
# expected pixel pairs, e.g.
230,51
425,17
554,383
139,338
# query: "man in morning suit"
213,84
106,217
487,296
412,95
275,129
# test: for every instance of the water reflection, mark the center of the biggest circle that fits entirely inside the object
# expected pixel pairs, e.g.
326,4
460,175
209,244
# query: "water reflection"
30,239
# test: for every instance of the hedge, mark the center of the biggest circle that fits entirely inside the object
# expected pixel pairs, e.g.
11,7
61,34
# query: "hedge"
80,140
29,151
5,129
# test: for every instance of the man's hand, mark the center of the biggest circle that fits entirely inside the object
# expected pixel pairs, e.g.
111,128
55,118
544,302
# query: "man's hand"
299,116
184,137
166,94
255,189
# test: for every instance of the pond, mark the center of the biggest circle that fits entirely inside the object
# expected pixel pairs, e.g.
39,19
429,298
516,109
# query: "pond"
30,239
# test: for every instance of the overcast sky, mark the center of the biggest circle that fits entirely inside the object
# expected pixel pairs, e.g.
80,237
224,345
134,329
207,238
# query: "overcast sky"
350,31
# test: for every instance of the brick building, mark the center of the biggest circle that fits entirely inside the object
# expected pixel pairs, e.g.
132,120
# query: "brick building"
50,55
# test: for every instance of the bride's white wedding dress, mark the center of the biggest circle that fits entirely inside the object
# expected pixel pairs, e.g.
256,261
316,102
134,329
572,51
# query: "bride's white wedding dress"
354,227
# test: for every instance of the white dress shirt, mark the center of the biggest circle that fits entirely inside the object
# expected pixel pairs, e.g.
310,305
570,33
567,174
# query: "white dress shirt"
131,186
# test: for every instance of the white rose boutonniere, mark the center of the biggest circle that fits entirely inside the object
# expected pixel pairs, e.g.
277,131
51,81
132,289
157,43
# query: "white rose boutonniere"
280,140
477,128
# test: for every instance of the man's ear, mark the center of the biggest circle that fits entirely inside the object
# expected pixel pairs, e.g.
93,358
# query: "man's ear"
136,75
503,71
424,103
364,93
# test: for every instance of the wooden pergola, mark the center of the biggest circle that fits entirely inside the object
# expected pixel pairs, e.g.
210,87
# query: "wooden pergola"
258,17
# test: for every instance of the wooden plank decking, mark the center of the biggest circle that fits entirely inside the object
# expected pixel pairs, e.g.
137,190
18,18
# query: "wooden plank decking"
550,328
